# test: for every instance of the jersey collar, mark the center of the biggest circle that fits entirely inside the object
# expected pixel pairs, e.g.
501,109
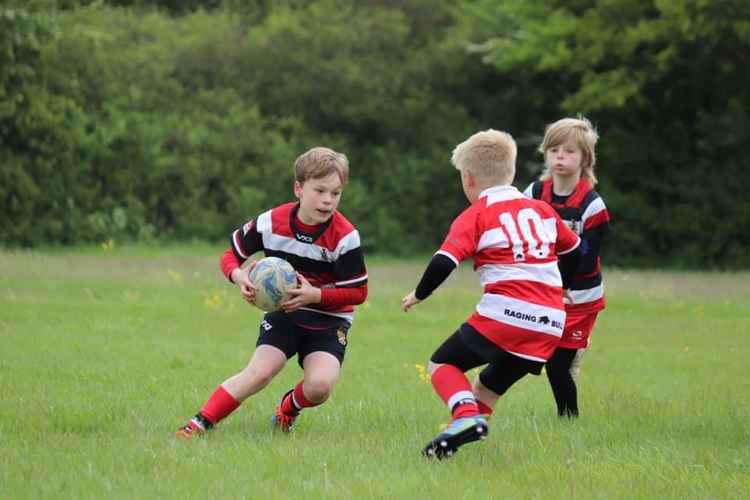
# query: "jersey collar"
299,233
500,193
573,200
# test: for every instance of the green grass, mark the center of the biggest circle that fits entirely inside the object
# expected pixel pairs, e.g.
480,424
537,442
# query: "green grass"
106,352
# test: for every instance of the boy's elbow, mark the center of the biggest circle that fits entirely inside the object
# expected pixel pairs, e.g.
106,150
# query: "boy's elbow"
363,295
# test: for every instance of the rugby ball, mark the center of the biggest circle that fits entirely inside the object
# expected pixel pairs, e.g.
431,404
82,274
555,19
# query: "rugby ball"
272,277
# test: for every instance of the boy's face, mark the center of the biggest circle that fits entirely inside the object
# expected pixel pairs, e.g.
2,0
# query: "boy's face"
564,159
318,198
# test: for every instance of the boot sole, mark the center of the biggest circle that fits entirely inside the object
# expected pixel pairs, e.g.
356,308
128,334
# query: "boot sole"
445,445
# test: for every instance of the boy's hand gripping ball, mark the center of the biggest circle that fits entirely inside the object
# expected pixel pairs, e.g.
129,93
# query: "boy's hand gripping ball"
273,277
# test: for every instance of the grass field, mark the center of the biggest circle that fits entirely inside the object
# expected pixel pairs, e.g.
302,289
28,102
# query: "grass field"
105,352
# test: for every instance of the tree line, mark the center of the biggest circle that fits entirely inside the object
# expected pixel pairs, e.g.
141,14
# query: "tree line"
179,119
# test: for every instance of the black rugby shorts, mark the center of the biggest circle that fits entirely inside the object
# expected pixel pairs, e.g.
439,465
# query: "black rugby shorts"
303,332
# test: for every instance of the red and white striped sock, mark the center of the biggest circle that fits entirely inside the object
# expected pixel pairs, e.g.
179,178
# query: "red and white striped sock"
454,389
295,401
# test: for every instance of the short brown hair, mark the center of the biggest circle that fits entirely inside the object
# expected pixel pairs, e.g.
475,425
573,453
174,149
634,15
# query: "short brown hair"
489,155
582,133
321,162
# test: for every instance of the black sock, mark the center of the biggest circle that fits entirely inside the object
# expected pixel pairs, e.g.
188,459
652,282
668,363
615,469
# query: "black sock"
562,383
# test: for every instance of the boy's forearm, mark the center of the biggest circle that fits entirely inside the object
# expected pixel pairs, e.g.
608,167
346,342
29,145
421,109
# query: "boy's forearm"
229,263
439,268
331,297
568,265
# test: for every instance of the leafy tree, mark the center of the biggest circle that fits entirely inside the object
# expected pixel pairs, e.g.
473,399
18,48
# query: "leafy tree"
661,79
357,75
172,6
179,119
39,132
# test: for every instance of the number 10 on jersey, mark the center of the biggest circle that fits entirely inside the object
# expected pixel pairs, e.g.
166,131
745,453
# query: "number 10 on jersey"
528,234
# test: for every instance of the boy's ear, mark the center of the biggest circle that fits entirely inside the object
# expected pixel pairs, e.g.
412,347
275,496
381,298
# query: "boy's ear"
469,179
297,189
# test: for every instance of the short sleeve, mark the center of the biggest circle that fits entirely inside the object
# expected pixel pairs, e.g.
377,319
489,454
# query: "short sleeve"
461,241
246,240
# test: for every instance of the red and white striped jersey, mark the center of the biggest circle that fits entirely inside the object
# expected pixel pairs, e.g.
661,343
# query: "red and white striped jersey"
514,242
328,255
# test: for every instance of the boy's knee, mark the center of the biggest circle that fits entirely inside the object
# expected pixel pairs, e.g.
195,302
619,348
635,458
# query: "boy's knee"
318,389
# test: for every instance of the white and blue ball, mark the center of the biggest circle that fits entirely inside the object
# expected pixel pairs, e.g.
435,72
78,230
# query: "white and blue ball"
273,277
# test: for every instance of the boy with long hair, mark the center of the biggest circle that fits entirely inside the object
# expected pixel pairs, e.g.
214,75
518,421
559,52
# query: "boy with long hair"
567,184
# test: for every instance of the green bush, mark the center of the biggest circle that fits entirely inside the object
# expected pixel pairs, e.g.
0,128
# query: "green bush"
155,120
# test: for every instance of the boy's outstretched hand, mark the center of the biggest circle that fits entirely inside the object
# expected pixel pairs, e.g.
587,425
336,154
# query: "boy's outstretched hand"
241,278
409,301
304,294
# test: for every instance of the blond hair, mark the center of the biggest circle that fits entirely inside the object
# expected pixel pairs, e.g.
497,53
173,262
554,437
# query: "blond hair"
321,162
582,133
490,156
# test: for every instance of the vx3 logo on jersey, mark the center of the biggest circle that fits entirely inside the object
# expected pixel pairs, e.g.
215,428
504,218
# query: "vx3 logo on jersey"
542,320
305,238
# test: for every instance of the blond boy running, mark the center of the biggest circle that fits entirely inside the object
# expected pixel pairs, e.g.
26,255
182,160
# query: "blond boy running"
514,243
